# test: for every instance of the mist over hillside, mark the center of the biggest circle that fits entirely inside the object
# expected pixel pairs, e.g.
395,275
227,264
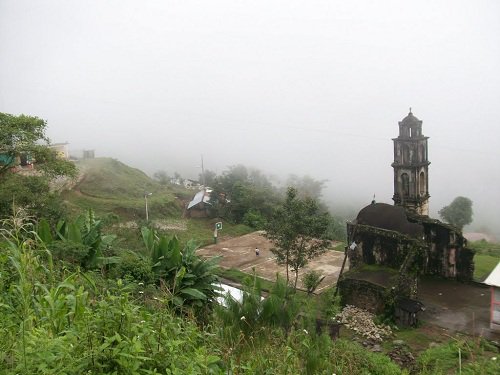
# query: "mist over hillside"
345,198
309,88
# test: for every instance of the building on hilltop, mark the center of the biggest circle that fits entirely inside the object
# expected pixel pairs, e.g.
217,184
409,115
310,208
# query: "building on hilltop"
61,150
391,246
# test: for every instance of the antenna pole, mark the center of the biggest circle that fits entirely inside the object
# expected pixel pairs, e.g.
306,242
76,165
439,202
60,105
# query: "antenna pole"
203,173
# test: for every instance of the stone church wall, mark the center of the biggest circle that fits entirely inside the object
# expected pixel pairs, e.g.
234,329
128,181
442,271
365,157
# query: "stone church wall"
445,254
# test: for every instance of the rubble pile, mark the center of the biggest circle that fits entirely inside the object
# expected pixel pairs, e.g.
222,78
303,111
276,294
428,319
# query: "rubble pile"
361,322
403,357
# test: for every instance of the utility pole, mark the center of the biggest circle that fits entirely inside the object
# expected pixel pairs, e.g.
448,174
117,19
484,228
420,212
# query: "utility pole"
146,195
203,173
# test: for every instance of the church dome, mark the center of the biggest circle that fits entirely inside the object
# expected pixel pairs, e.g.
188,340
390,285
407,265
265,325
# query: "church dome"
410,119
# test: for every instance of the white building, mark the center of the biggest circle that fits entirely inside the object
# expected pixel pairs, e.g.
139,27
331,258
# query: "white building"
493,280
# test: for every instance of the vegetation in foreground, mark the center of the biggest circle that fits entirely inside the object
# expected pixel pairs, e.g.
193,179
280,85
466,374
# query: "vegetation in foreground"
76,299
67,315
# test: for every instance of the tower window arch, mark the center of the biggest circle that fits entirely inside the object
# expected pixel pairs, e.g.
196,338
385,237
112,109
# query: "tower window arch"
422,153
406,154
405,184
421,183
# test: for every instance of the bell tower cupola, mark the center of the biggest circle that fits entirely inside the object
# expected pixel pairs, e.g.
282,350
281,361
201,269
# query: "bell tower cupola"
411,167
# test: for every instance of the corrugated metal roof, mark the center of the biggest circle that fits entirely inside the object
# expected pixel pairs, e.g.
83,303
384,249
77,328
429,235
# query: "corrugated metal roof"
201,196
494,277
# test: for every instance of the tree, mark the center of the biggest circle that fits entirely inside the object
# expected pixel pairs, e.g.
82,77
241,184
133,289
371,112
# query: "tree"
162,177
240,193
297,229
32,193
25,136
458,212
306,186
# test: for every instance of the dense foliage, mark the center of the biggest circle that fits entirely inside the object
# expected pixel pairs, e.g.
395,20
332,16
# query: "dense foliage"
187,279
33,193
24,137
458,212
123,318
243,196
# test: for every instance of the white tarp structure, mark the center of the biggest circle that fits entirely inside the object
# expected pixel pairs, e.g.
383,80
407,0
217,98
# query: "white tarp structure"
235,293
494,281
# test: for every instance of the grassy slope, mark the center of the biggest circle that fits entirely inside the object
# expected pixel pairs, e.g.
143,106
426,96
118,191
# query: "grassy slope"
111,187
486,258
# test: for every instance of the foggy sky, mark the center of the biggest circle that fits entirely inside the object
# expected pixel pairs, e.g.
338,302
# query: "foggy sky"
304,87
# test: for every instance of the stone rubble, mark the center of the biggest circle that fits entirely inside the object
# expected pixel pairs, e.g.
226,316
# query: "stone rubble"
403,357
361,322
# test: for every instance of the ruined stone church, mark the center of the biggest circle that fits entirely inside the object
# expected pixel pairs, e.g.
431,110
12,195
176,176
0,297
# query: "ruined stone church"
402,238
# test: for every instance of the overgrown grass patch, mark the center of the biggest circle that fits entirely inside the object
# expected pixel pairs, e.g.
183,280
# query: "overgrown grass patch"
202,230
469,354
239,277
486,248
484,264
418,339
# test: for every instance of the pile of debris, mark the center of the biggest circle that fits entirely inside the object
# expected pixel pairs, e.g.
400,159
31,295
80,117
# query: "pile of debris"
403,357
361,322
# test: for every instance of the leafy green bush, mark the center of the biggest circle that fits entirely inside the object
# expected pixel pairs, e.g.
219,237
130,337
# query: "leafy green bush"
253,218
311,280
133,266
187,279
69,251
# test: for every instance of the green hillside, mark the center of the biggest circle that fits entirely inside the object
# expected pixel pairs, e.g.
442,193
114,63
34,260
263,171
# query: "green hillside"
106,177
109,186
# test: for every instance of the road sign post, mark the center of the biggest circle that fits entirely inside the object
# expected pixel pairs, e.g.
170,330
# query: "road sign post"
218,226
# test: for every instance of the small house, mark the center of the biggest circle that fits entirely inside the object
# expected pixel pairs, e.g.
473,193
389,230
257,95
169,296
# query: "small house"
493,280
200,204
61,150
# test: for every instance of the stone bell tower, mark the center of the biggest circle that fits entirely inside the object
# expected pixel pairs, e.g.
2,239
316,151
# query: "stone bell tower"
411,167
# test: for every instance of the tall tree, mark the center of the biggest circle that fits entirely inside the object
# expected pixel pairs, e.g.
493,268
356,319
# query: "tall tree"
458,212
240,192
306,186
162,177
25,135
297,229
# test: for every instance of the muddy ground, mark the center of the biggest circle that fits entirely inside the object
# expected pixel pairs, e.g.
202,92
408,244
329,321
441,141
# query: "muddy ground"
452,305
457,306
